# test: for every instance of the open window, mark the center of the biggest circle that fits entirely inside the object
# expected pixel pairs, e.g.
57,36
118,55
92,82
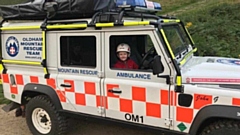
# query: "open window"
141,47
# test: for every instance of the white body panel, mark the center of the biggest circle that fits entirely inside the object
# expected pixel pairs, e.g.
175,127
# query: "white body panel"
145,100
140,97
214,70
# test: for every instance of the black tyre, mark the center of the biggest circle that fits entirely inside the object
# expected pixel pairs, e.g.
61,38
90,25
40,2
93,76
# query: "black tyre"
43,118
222,127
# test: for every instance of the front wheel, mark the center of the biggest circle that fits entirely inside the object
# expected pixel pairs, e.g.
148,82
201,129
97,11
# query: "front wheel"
42,117
222,127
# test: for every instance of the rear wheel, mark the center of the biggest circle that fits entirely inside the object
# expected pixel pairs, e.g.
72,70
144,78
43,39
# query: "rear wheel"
222,127
42,117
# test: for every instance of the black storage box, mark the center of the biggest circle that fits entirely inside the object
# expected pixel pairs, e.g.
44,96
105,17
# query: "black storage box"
55,9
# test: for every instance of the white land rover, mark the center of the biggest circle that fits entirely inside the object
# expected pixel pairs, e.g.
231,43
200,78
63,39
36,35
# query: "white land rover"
52,68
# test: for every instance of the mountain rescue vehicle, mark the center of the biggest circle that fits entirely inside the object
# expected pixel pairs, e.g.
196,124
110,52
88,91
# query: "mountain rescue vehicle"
53,67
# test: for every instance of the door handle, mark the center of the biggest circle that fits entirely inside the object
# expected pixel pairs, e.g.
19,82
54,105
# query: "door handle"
66,85
115,91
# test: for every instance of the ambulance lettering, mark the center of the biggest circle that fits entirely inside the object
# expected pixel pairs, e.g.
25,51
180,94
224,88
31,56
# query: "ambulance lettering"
134,118
132,75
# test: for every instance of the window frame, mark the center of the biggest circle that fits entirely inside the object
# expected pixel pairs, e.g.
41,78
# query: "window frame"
68,53
145,47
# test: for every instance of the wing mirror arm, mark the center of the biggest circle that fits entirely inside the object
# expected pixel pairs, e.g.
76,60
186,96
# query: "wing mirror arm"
158,68
167,77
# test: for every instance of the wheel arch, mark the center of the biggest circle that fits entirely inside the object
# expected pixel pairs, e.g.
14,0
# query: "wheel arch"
31,90
210,113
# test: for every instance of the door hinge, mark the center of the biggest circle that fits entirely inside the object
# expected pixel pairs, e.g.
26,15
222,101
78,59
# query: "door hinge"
171,80
168,122
101,110
100,74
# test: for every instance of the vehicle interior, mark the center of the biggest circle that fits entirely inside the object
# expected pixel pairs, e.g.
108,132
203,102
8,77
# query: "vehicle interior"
142,50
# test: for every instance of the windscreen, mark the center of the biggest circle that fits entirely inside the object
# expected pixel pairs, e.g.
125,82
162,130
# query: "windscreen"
177,38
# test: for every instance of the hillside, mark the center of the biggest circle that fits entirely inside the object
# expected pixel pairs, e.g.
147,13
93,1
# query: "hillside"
215,27
214,24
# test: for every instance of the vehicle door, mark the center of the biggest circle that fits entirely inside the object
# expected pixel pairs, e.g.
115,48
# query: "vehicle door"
136,95
185,104
78,80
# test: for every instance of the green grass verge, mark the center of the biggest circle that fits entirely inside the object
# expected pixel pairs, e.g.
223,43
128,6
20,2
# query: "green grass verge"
173,5
215,28
2,99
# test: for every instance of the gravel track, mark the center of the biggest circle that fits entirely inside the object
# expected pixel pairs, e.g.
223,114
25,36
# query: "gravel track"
11,125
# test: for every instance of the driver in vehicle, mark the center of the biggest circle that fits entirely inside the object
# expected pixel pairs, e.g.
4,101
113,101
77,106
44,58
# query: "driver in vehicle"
124,61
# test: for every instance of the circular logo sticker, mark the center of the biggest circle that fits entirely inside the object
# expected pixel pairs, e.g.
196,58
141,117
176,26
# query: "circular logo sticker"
12,46
229,62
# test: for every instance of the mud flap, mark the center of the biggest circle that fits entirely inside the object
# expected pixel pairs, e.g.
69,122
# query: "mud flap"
10,107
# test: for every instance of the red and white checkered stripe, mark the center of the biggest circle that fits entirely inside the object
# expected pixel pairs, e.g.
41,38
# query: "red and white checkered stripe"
80,94
136,100
186,115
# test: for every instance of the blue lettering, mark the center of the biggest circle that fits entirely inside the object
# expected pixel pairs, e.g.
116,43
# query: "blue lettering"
60,70
33,53
27,43
75,71
32,39
121,74
140,76
131,75
33,48
88,72
149,76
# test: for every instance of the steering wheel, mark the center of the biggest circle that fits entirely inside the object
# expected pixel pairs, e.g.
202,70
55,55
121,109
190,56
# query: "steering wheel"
145,58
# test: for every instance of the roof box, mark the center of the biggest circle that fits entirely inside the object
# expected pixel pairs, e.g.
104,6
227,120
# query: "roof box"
55,9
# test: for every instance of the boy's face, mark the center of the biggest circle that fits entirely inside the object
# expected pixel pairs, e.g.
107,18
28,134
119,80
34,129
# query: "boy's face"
123,56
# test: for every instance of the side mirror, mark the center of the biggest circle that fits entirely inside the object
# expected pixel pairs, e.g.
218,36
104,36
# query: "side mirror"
157,65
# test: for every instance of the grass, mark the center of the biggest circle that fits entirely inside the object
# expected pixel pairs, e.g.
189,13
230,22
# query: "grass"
2,99
173,5
215,27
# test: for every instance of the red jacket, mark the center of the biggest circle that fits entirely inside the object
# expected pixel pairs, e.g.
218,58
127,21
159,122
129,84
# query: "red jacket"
129,64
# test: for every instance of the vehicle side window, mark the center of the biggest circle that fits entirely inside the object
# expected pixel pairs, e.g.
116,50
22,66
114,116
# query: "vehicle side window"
131,52
78,51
